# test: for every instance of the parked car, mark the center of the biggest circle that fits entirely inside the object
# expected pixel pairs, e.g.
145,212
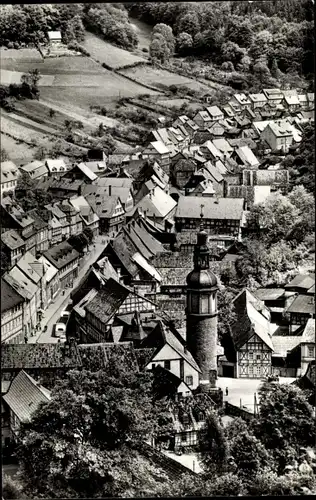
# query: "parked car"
60,330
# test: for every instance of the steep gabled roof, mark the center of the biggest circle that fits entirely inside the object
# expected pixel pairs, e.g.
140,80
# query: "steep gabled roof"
107,301
9,297
249,321
32,356
162,335
25,395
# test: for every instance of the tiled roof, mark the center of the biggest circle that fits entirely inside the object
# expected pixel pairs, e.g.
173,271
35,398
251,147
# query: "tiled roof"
9,297
124,250
214,111
62,254
9,171
12,239
220,208
285,343
104,206
107,301
97,356
87,172
32,356
222,145
157,203
302,304
31,267
25,395
247,156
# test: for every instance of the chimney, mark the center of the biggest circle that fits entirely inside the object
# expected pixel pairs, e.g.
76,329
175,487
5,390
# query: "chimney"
110,190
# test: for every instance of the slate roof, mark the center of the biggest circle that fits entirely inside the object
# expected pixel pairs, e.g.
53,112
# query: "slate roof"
214,111
309,332
162,335
32,356
94,355
302,304
9,297
107,301
62,254
25,395
104,206
249,321
269,293
223,146
31,267
12,239
221,208
23,285
304,281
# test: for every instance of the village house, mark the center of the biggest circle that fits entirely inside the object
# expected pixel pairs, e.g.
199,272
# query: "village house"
66,259
57,166
89,218
157,205
42,231
34,270
279,135
181,171
11,314
94,314
190,126
221,216
159,152
21,409
9,176
291,101
36,169
311,100
245,157
248,355
209,174
82,172
62,187
110,211
51,279
215,113
203,119
73,217
151,172
170,352
301,309
224,147
257,100
113,186
277,300
54,38
301,284
274,95
278,180
31,293
210,151
13,246
241,100
307,345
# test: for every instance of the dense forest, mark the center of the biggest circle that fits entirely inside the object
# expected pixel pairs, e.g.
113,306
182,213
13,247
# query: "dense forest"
24,25
268,36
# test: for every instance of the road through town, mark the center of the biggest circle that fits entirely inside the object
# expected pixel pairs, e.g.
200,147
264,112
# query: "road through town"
52,313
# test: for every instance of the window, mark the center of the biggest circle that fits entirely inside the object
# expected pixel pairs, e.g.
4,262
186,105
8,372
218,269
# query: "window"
167,365
251,355
251,370
153,366
258,356
310,349
189,380
184,438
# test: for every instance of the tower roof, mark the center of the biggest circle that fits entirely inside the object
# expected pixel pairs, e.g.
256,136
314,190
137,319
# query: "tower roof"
201,278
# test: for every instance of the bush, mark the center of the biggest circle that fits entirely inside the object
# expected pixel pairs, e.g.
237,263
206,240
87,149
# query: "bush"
144,49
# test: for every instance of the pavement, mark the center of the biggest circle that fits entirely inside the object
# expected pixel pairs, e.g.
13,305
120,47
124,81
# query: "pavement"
53,312
241,392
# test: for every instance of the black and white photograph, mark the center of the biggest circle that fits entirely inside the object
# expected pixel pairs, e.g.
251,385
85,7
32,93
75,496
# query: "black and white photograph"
157,249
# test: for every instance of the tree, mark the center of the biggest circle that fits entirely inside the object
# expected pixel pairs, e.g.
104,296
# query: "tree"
261,45
189,23
273,219
52,113
158,49
88,234
12,489
87,440
184,43
28,195
213,446
239,31
250,456
166,32
285,422
275,72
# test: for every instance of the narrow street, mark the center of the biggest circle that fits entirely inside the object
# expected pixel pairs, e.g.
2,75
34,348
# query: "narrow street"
52,313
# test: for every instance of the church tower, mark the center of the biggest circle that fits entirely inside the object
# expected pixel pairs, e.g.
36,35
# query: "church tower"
201,313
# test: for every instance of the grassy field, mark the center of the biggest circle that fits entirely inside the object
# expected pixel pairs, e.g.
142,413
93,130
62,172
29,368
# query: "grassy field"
156,76
107,53
19,151
179,102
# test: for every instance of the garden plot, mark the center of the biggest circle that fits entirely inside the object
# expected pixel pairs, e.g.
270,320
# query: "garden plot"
104,52
160,77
